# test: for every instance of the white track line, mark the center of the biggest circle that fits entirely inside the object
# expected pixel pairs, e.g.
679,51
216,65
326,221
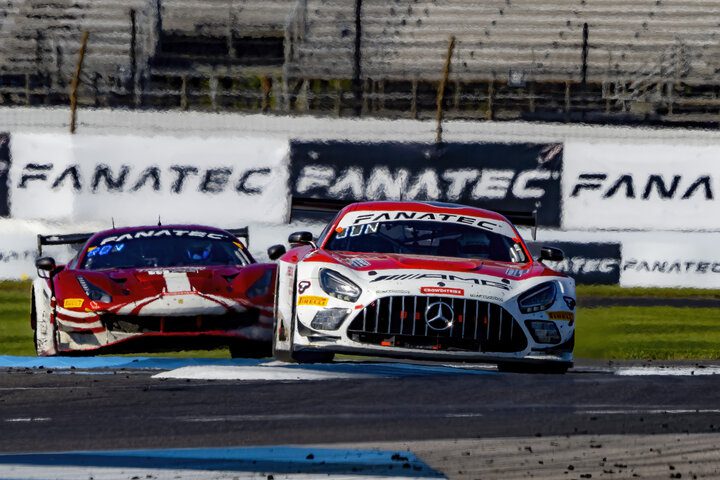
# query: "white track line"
255,373
667,371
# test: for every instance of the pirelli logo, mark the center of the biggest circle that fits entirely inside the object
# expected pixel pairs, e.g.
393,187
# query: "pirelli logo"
313,300
73,303
567,316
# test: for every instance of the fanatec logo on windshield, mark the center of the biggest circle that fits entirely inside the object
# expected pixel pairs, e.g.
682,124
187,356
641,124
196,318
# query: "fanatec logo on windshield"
439,315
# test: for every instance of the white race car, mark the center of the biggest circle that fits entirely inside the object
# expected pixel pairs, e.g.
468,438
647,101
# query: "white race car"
425,281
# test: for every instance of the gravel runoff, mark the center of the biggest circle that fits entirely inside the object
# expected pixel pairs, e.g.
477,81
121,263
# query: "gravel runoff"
687,456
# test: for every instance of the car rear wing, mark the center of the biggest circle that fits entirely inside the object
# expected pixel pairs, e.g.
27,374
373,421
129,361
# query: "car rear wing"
68,239
81,238
324,208
243,233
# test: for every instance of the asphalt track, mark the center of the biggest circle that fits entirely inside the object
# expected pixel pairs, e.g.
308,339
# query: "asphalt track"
143,404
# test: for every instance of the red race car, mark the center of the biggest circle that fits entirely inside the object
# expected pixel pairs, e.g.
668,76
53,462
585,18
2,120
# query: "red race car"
153,289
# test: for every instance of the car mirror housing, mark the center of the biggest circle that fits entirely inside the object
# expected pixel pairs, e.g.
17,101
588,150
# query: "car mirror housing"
300,238
45,263
551,254
276,251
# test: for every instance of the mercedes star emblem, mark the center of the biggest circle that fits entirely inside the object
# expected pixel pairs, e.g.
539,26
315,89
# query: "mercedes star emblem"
439,315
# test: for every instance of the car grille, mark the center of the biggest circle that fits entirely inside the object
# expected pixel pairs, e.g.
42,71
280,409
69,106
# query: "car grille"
195,324
400,321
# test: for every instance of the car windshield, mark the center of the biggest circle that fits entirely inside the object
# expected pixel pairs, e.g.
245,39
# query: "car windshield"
427,238
165,251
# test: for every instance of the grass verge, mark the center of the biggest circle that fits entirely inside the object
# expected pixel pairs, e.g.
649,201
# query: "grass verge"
644,333
602,333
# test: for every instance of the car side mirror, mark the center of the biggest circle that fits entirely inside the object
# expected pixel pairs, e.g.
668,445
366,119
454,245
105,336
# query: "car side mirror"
551,254
45,266
301,238
276,251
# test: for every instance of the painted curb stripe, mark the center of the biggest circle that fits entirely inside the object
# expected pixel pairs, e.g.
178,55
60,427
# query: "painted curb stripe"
252,459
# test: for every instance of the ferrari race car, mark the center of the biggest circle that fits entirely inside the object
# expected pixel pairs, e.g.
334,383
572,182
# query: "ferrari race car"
153,289
425,281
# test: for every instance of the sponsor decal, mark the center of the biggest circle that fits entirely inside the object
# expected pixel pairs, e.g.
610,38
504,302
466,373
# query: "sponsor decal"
303,286
73,302
167,271
392,292
442,291
4,169
440,276
313,300
586,263
567,316
358,262
514,272
163,233
476,174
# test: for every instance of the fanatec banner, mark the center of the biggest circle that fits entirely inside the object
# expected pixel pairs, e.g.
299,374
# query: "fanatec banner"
510,177
587,263
138,180
4,169
671,264
641,187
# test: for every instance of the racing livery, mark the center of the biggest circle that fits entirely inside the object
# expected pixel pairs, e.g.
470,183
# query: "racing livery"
153,288
423,280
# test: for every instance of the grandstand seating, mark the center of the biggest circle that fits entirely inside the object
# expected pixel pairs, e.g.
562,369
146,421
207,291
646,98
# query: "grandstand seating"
657,55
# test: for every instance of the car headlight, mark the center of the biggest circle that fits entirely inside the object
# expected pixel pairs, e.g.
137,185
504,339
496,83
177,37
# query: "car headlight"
338,286
538,298
94,292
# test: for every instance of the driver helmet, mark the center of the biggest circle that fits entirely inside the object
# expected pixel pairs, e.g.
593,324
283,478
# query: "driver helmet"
199,252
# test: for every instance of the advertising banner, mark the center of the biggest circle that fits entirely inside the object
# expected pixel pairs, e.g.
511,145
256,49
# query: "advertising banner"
671,264
641,187
4,168
587,263
226,182
509,177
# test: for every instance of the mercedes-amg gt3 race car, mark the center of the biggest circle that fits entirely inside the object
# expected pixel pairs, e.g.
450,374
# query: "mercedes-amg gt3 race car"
426,281
153,288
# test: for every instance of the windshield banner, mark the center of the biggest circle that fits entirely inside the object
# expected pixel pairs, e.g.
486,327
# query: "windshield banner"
496,176
141,180
4,169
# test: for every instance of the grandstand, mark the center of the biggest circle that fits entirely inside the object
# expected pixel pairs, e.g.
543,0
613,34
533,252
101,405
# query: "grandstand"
649,60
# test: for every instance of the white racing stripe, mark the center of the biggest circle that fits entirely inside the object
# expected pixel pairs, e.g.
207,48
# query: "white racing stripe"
176,282
25,472
256,373
667,371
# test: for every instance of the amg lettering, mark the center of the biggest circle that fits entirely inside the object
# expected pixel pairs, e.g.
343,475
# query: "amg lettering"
442,276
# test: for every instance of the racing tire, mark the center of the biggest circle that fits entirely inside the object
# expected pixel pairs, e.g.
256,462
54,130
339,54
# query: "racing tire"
249,349
46,344
516,367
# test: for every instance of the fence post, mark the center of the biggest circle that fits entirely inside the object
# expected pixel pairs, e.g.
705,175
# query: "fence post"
76,82
357,64
441,90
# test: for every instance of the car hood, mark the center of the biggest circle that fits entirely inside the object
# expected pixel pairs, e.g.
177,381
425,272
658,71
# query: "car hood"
152,281
388,261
